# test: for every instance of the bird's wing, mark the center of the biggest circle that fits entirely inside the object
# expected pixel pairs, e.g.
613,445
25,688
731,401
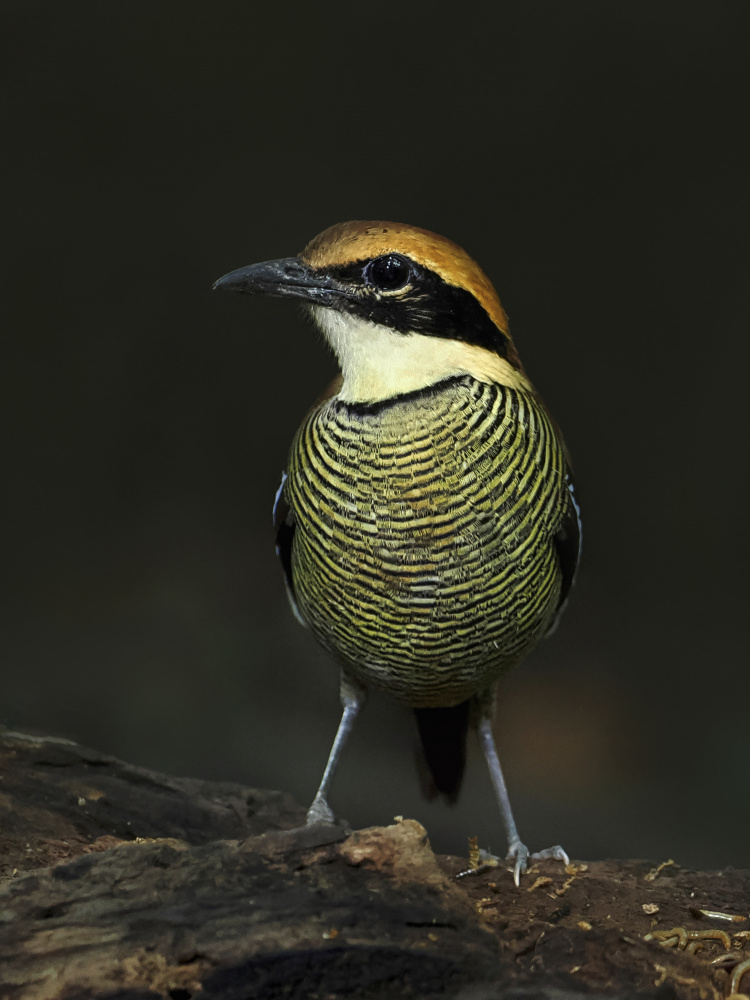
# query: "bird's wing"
567,542
567,538
283,522
283,515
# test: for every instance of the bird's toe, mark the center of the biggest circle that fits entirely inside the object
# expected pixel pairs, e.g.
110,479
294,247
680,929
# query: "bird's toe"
555,853
320,812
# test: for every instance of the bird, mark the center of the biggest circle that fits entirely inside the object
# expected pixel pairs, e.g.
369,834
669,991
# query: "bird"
427,520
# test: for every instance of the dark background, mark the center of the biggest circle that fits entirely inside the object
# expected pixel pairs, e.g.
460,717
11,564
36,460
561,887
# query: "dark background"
594,158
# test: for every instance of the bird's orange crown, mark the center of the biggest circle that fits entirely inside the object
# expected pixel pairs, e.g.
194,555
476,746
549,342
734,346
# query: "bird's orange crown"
347,242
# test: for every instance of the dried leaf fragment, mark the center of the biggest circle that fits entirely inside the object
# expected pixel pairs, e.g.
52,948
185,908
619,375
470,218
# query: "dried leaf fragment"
655,871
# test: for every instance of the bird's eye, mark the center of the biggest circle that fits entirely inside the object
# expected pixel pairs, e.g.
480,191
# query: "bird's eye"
388,273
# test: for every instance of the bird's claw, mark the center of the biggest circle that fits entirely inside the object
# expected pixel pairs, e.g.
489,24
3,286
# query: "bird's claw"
555,853
320,812
520,853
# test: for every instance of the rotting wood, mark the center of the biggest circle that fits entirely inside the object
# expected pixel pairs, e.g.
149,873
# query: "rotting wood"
122,882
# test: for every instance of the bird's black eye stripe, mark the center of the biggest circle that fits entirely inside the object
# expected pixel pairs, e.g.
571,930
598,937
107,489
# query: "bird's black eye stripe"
388,273
427,304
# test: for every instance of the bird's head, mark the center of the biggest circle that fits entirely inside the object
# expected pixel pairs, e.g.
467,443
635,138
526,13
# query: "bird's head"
401,307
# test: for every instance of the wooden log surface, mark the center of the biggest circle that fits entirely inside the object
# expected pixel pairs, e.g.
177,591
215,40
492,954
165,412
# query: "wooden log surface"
121,883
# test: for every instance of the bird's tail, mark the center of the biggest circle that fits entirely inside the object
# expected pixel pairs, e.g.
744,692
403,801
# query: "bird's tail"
442,732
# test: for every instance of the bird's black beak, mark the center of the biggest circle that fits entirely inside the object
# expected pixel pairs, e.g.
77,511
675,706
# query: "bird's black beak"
289,277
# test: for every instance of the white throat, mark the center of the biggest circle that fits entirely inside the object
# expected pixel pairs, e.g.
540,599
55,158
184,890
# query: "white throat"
378,362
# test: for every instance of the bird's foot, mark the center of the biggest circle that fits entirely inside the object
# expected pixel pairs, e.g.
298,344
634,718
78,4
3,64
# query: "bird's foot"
520,853
320,812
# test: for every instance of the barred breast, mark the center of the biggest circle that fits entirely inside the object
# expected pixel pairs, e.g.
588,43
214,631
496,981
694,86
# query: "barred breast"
423,552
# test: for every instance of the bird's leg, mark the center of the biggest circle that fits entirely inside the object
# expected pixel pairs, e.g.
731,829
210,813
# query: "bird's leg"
516,848
487,743
353,697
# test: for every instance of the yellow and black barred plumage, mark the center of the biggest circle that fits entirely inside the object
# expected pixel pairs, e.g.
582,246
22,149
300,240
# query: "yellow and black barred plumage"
426,522
424,550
